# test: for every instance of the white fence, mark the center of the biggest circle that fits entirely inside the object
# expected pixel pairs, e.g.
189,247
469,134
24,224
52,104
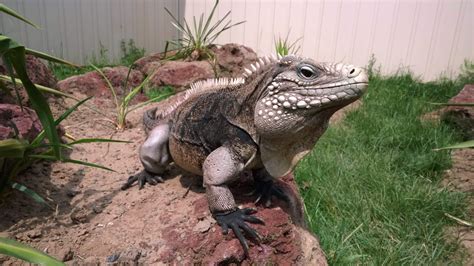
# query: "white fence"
429,37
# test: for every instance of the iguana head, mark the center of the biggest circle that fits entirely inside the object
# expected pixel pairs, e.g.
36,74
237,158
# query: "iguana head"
297,96
300,88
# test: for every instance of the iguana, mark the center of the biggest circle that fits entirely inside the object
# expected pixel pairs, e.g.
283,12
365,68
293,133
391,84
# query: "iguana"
264,122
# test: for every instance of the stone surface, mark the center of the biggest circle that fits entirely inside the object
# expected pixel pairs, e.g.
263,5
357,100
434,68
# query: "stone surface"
38,73
92,84
180,74
461,117
232,58
26,121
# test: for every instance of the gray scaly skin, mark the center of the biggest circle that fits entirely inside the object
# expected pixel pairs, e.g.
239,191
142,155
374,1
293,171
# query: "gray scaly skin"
264,122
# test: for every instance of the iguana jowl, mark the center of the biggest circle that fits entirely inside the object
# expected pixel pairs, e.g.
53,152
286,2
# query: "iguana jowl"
265,122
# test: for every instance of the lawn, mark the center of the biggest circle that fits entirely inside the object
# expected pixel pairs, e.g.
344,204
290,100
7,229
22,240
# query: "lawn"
372,184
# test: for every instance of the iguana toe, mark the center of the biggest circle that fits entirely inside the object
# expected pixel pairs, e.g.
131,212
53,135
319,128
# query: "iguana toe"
236,221
142,177
266,190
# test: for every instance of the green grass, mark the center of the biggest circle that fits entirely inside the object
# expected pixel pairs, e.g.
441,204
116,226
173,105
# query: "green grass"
129,54
155,92
371,185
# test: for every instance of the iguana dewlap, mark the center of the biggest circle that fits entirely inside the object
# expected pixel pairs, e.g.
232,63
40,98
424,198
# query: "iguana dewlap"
264,122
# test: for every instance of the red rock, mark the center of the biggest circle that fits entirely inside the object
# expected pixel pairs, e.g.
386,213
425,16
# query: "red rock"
26,121
38,73
92,84
232,58
180,74
461,116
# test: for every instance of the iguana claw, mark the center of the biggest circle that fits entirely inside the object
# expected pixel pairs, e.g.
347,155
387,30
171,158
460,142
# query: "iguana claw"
266,189
142,178
236,221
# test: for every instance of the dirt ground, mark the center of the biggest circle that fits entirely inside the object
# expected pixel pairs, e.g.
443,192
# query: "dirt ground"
461,177
91,221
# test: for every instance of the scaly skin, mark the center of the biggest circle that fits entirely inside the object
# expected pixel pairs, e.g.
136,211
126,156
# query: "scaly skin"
265,124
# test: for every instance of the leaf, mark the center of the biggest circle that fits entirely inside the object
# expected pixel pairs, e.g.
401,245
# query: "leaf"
111,88
21,251
97,140
40,136
454,104
49,157
30,193
88,164
13,148
49,57
13,13
15,54
462,145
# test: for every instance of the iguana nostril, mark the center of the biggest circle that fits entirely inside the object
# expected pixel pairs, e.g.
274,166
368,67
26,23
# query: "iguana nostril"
353,72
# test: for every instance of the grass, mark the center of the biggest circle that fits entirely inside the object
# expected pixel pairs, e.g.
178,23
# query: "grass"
164,91
371,185
129,54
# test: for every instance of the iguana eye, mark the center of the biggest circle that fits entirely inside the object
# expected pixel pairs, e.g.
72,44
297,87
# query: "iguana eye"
306,71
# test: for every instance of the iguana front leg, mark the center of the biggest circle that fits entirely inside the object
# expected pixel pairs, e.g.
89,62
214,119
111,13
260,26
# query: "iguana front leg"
220,167
155,157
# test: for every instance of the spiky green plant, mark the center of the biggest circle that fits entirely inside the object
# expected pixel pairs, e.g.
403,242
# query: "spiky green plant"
122,104
285,47
195,41
18,250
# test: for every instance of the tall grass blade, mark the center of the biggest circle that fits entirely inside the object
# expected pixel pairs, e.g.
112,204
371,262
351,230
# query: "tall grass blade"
463,145
13,13
51,158
30,193
49,57
81,141
112,90
15,53
13,148
21,251
39,138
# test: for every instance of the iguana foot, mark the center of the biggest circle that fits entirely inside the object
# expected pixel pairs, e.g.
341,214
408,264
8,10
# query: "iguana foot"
266,189
142,177
236,221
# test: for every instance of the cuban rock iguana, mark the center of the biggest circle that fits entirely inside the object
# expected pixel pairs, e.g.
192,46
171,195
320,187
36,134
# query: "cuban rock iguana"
263,122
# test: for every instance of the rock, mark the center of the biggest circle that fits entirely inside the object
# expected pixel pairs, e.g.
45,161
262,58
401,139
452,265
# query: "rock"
92,83
25,121
285,241
226,253
202,226
180,74
66,255
35,233
232,58
79,215
141,64
38,73
461,117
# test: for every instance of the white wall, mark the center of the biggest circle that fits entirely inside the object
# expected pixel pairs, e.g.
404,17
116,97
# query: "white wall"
428,36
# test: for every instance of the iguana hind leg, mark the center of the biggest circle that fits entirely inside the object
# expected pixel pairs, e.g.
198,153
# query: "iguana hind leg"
155,157
266,187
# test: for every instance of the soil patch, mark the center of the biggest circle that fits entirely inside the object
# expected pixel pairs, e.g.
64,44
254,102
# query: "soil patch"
91,221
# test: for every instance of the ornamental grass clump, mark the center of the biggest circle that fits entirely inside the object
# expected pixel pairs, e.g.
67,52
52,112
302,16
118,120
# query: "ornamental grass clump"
195,41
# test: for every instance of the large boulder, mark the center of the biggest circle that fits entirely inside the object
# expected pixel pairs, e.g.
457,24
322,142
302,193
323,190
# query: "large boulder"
26,121
180,74
38,73
461,116
93,84
232,58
